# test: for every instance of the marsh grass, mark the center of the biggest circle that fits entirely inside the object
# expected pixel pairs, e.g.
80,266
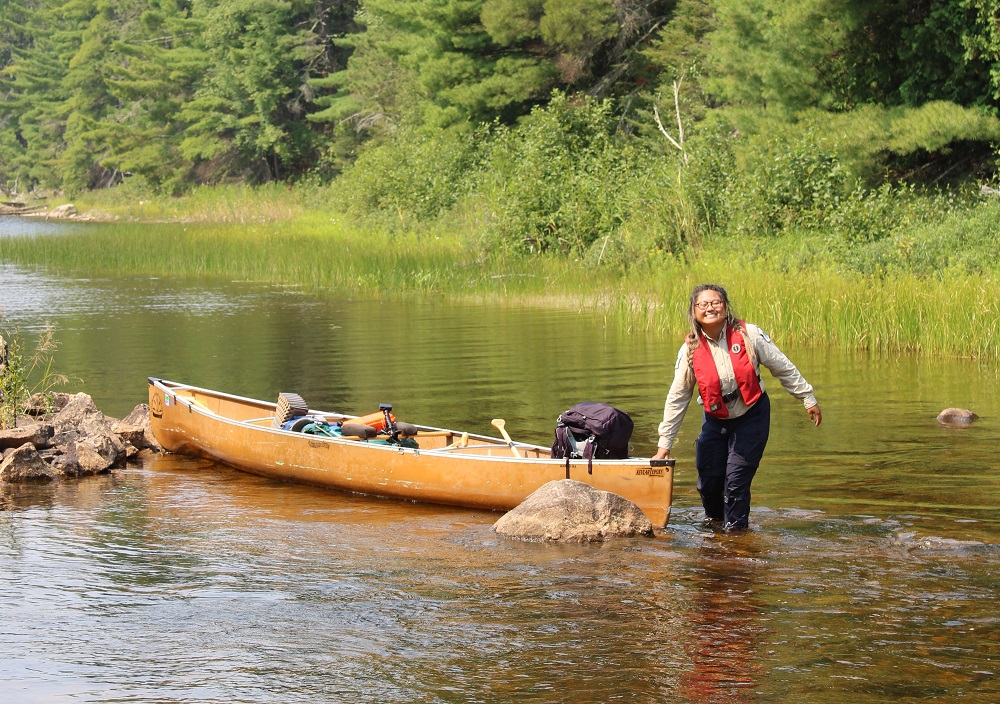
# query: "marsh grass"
788,288
315,253
953,314
228,204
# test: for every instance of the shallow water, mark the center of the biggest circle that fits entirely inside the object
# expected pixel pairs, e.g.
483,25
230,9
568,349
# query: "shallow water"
869,571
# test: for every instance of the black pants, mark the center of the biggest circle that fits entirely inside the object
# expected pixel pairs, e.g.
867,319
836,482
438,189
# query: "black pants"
727,454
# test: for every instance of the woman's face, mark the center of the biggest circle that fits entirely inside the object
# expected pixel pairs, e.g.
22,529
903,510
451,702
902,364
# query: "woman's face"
709,309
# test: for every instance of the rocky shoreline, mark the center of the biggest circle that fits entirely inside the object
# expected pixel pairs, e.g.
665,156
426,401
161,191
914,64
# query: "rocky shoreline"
67,211
69,437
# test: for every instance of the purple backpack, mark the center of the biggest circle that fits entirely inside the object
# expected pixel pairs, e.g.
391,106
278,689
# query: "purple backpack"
592,430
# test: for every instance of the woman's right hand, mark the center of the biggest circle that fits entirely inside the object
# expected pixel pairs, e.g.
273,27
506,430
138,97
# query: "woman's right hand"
662,454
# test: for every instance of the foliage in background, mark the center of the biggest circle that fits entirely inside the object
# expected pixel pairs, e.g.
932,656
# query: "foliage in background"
555,183
839,54
785,184
413,175
246,116
525,127
437,66
907,86
189,92
179,91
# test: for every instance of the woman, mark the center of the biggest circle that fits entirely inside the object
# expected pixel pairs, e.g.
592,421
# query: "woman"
722,356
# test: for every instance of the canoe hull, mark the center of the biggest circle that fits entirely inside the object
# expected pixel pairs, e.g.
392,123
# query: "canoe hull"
240,433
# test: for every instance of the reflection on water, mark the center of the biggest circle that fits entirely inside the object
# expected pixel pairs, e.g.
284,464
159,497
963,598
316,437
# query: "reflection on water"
869,572
726,624
185,581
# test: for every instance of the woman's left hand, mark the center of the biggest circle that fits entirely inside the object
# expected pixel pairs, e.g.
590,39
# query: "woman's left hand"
815,414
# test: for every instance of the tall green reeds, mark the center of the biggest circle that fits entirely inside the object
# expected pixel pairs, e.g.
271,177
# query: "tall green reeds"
25,371
953,314
135,200
329,255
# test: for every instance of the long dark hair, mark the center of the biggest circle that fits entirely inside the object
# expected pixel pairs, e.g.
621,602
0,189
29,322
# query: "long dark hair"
693,337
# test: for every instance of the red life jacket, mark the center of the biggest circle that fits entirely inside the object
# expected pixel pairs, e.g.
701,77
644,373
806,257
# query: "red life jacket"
707,376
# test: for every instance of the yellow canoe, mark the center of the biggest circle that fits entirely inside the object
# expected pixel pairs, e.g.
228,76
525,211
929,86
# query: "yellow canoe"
447,466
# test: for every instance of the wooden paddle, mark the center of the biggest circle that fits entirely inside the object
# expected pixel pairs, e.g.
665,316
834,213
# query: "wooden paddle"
499,424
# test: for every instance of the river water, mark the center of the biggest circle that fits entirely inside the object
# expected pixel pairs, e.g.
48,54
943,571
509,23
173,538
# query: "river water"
869,572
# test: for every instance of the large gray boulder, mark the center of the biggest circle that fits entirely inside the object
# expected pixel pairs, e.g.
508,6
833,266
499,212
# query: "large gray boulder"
81,414
24,464
90,444
38,434
92,454
956,417
570,511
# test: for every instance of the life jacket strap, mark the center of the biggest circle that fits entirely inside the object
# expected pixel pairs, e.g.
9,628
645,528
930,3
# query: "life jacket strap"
735,393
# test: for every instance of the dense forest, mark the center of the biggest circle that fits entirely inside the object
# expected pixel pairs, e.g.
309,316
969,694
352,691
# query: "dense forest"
549,124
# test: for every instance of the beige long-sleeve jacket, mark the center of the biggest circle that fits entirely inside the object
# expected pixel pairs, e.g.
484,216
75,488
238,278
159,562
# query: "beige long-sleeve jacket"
763,353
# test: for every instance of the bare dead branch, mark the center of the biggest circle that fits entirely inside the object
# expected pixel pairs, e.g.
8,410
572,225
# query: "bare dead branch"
679,142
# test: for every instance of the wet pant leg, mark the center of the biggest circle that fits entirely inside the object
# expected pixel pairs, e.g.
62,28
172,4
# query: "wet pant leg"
727,455
711,455
747,440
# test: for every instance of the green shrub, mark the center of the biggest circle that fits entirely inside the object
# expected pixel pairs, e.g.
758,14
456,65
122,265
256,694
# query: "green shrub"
682,199
23,374
923,235
782,184
412,175
554,183
869,216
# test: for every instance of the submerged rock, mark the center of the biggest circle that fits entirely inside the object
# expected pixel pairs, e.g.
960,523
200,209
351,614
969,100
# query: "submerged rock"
956,417
571,511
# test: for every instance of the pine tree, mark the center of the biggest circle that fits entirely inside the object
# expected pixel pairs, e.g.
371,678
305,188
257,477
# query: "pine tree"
157,71
839,54
903,85
35,108
15,40
248,118
441,63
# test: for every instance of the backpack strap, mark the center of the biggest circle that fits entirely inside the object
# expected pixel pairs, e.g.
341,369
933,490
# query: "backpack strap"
589,451
562,446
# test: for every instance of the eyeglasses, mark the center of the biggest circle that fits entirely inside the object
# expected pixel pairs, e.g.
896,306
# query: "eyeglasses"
705,305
